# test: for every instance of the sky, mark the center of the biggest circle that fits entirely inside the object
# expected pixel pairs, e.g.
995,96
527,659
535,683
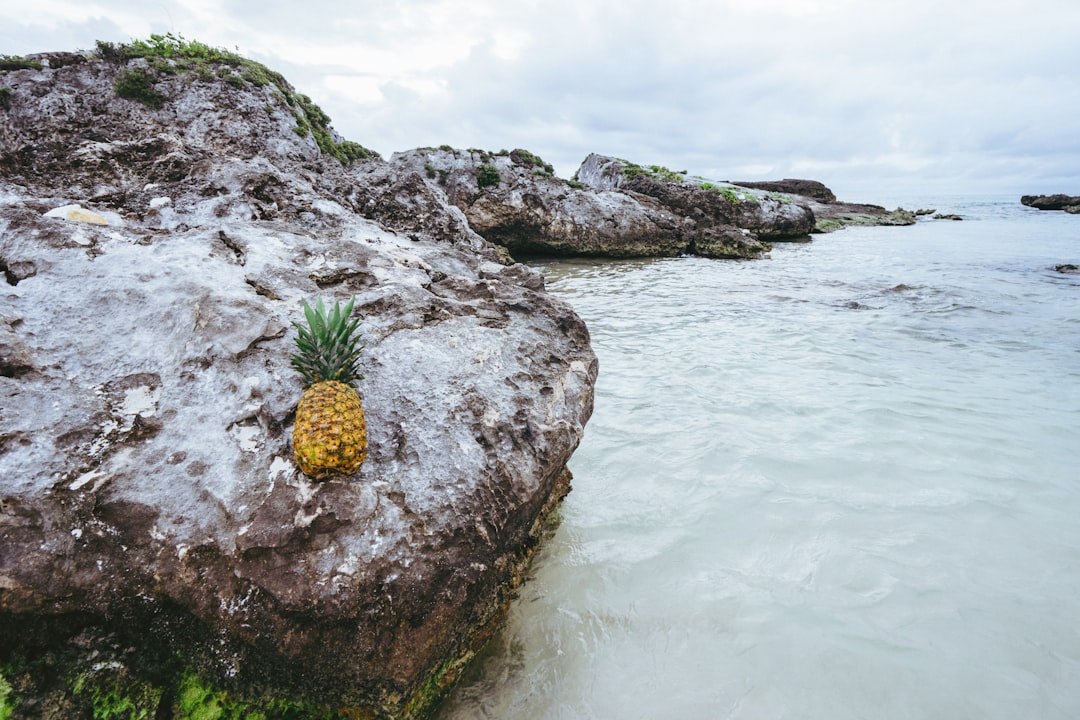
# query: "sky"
873,98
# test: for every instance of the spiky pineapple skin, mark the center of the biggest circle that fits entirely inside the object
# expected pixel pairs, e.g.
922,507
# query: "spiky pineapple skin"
330,433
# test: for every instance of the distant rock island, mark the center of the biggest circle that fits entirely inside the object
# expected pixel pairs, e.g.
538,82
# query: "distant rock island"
165,207
1068,203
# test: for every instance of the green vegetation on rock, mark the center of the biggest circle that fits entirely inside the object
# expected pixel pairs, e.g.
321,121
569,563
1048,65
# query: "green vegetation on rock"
7,702
526,158
16,62
487,175
170,54
657,172
116,695
138,84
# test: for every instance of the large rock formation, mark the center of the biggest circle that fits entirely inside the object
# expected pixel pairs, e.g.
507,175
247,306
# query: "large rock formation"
831,214
615,208
1068,203
160,554
706,205
512,199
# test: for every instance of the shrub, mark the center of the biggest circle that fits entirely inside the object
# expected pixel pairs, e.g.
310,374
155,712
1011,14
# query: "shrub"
138,85
16,62
487,175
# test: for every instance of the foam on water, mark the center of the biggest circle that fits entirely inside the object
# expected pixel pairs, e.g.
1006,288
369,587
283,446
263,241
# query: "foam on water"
843,482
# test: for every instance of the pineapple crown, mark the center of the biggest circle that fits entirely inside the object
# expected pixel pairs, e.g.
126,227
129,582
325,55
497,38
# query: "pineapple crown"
327,348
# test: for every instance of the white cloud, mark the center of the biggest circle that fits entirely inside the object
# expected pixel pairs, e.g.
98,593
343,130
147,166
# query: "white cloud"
911,92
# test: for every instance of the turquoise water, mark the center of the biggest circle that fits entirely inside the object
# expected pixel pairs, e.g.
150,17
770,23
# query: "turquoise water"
841,482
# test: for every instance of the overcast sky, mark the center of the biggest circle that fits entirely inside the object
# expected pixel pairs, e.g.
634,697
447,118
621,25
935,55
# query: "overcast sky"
870,97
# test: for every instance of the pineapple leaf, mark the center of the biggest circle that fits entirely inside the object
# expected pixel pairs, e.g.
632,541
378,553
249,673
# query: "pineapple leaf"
327,347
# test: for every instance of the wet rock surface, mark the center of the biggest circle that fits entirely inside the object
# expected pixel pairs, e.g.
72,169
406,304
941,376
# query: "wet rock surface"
152,523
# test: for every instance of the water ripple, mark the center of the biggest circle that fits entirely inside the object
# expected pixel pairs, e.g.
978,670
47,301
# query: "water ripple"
839,483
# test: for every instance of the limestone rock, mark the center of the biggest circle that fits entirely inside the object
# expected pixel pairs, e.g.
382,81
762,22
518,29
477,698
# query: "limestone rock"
529,212
1068,203
153,528
838,215
768,216
76,213
806,188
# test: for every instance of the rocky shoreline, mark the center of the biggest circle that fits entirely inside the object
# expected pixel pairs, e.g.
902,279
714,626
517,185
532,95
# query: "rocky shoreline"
164,209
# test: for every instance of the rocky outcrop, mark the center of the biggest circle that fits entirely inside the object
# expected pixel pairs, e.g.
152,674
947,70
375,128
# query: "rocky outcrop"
615,208
831,214
513,199
704,204
806,188
1068,203
159,549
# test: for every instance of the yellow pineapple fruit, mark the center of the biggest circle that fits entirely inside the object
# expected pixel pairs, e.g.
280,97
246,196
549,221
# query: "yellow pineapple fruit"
330,435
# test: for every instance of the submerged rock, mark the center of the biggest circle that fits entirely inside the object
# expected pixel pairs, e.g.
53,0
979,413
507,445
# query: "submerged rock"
157,544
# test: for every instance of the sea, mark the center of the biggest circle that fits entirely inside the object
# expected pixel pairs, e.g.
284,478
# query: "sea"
839,482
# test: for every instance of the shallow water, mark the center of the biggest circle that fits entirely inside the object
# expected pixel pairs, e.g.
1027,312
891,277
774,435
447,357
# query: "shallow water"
842,482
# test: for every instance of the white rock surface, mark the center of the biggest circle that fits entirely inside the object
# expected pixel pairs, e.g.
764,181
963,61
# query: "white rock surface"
146,397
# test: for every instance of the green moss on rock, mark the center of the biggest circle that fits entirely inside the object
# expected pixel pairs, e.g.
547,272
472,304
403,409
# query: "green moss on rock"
169,54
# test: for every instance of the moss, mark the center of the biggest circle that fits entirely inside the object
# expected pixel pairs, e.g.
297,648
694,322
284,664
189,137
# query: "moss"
180,55
657,172
7,698
429,170
487,175
115,694
138,84
527,159
17,62
5,98
197,700
576,184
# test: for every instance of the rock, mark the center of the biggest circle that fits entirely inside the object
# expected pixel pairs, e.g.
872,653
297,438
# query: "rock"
528,211
705,204
76,213
1051,202
947,216
806,188
1072,209
836,216
924,211
1067,268
157,544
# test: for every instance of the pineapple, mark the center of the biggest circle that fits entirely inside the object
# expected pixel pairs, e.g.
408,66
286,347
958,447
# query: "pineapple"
329,436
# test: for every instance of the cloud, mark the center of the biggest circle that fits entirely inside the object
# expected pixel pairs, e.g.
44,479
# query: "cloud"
970,94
